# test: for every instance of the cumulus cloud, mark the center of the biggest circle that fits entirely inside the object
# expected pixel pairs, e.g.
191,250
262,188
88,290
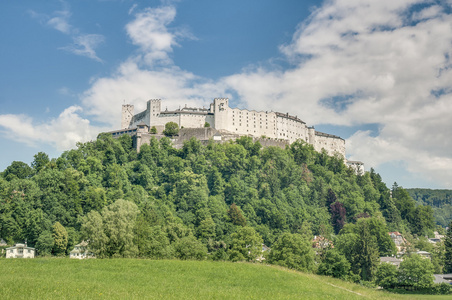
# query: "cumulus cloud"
149,31
391,67
150,73
62,132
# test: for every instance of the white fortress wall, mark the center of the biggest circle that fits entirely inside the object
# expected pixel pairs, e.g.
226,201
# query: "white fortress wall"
250,122
330,143
193,120
291,128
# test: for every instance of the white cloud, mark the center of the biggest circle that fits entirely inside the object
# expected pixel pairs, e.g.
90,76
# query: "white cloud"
132,8
149,30
60,21
63,132
135,86
83,44
382,68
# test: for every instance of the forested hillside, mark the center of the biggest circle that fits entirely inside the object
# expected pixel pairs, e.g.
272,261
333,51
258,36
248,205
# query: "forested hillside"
439,200
220,201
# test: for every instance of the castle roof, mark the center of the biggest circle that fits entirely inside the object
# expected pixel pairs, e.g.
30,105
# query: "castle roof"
295,118
327,135
201,111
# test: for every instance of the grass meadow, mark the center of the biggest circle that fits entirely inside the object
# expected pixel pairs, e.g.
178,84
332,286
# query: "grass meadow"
63,278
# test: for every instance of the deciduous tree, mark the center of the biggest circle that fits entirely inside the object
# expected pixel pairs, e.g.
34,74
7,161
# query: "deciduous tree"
292,251
171,129
60,239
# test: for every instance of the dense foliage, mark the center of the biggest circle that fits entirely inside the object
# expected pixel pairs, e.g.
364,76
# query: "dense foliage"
439,200
220,201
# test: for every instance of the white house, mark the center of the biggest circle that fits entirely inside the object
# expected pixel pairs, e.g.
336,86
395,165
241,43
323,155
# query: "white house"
20,251
81,251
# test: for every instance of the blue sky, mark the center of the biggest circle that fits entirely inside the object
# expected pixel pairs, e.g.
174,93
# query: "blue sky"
377,73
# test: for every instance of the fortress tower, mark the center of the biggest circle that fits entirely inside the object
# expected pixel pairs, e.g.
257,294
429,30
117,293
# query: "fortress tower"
127,115
221,112
154,107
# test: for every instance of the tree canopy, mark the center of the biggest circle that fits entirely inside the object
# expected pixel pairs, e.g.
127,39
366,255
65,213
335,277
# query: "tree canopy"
216,201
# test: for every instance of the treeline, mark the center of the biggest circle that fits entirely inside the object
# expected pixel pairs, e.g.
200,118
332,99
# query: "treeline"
439,200
219,201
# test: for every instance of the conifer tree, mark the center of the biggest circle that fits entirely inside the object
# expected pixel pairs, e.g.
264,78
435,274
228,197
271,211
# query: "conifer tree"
448,252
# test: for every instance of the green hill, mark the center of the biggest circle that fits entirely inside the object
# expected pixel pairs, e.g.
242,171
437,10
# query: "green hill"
439,200
219,201
170,279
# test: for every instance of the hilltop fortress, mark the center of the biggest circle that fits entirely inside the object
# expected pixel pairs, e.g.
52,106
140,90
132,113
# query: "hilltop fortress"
220,116
220,122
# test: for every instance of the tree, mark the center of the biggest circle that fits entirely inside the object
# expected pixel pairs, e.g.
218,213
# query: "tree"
331,198
112,233
206,124
119,221
387,275
189,247
40,161
92,229
206,229
365,251
153,130
448,250
246,244
152,242
44,244
171,129
416,271
423,221
235,215
292,251
334,264
60,239
338,216
17,169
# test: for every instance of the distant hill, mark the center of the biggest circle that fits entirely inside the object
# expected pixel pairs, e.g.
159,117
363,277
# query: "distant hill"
439,200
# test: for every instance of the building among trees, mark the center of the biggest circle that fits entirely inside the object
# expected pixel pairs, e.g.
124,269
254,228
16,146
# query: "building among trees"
81,251
20,251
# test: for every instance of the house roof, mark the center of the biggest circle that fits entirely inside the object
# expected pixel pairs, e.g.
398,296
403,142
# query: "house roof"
395,233
442,278
20,246
389,259
82,244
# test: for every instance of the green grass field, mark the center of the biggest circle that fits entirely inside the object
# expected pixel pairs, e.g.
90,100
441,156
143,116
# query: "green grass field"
150,279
